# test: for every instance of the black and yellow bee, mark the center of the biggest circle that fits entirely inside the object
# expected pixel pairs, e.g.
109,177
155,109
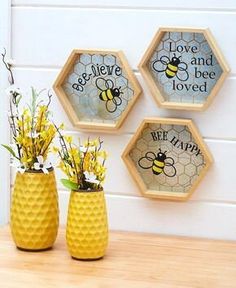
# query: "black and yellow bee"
159,163
172,67
109,94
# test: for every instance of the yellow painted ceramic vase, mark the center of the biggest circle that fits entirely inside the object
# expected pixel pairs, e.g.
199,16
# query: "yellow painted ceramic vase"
34,211
87,228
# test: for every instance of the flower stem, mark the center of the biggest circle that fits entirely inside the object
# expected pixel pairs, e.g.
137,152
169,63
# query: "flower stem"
8,67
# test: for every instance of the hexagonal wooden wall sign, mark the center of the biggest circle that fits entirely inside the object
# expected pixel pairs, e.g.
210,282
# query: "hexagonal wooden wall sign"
97,89
167,158
183,68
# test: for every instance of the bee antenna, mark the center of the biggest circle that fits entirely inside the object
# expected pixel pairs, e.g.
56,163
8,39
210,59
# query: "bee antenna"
174,55
165,152
160,149
179,57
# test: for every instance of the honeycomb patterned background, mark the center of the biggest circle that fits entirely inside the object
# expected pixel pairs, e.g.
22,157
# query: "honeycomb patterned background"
203,51
187,164
87,105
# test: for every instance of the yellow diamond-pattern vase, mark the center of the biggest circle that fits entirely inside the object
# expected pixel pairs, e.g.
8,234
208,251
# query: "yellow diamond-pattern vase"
34,211
87,228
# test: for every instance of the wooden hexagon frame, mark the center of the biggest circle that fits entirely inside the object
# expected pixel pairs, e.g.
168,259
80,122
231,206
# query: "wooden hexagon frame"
97,126
168,195
154,86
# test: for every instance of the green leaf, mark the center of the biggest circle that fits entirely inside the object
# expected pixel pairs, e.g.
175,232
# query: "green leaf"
10,150
69,184
33,105
18,100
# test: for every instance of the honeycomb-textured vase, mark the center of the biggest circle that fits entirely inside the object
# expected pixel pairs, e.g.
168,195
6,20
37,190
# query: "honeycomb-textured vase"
34,211
87,228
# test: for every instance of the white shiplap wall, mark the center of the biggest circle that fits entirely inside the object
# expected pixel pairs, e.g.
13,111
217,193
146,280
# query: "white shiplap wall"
43,34
5,9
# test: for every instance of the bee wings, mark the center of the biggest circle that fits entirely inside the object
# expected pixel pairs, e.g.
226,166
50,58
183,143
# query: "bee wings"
182,66
169,168
182,74
169,161
104,84
160,65
146,162
111,105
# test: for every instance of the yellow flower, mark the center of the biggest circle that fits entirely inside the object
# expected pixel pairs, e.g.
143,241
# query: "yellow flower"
62,126
96,142
42,109
103,154
25,112
55,149
78,159
35,132
68,139
90,143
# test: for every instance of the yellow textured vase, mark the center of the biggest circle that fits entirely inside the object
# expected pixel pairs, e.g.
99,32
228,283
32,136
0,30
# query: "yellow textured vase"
34,211
87,228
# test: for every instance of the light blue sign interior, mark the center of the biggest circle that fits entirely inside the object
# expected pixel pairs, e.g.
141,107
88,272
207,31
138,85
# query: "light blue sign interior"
184,67
179,164
98,88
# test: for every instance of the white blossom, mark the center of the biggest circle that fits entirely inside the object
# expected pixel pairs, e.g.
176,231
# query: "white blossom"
20,167
42,165
33,134
90,177
13,90
84,149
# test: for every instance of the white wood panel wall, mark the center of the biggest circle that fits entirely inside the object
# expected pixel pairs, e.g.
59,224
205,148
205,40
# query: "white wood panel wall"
4,130
43,34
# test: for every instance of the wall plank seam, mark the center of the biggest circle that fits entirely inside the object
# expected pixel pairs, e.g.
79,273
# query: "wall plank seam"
57,68
142,8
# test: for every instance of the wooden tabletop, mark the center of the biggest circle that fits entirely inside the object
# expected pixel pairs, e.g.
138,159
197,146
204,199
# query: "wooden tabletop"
132,260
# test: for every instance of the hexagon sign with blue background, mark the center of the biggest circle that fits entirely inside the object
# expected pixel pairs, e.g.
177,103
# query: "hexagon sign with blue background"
99,86
184,68
167,157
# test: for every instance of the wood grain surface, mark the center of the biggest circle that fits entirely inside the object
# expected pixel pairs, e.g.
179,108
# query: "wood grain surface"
132,260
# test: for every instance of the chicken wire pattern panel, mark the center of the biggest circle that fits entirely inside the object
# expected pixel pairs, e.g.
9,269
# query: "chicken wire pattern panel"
184,67
177,142
94,78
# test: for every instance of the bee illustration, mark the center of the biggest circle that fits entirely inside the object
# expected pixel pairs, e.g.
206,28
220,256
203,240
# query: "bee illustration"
172,67
159,163
109,94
